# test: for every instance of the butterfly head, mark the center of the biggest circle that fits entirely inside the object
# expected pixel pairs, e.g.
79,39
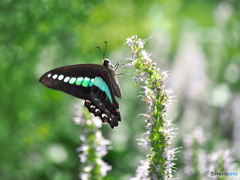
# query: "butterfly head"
107,64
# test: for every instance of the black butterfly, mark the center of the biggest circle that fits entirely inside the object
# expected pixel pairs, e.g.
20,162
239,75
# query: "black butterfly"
96,84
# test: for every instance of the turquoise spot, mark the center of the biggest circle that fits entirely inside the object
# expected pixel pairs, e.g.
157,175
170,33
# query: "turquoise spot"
60,77
91,82
66,79
72,80
86,82
55,76
49,75
79,81
103,86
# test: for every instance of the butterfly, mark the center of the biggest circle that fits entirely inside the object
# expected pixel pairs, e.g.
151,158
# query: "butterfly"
96,84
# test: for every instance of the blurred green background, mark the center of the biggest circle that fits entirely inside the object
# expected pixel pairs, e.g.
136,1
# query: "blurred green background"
198,41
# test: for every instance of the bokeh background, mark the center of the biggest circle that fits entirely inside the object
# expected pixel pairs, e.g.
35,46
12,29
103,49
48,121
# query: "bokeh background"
197,41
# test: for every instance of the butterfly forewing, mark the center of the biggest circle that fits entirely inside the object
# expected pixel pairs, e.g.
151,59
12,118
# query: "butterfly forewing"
60,79
91,82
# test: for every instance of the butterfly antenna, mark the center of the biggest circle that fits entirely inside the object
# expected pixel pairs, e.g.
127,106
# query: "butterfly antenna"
100,51
105,49
103,54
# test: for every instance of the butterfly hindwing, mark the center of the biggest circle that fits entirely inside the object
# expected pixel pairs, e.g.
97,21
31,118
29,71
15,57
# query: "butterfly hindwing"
104,99
91,82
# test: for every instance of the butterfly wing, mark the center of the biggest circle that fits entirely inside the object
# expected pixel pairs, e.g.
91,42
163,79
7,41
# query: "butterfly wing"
68,79
90,82
102,96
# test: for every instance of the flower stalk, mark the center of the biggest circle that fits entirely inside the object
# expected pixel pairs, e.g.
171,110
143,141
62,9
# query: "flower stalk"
94,146
159,131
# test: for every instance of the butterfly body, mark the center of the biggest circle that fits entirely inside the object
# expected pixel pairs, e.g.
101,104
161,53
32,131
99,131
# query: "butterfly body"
96,84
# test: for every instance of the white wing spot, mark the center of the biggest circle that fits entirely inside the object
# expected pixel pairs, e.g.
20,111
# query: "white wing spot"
60,77
55,76
92,106
66,79
97,110
104,115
